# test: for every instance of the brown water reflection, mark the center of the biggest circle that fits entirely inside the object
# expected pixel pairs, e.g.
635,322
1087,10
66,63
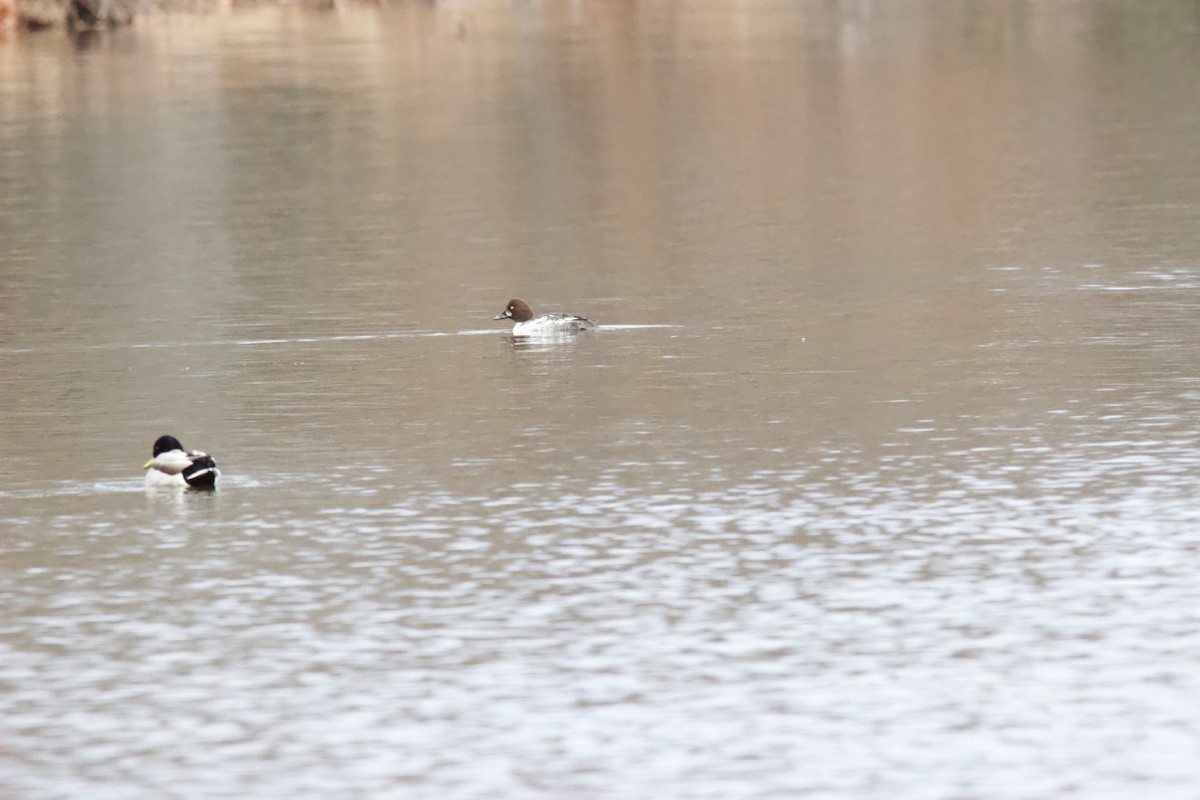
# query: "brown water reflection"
891,437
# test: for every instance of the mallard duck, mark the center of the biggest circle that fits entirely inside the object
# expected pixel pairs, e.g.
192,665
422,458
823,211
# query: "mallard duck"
174,466
528,325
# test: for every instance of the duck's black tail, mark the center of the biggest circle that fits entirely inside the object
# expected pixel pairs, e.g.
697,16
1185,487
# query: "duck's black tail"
202,474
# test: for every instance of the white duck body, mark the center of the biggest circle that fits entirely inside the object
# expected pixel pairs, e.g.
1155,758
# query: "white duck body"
553,323
172,465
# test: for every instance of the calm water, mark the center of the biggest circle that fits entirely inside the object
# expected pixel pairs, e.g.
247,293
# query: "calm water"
882,483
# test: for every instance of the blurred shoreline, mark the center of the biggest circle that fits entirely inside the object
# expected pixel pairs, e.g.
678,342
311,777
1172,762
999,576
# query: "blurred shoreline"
69,15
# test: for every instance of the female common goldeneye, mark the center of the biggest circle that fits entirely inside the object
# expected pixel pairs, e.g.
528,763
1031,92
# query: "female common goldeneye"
529,325
174,466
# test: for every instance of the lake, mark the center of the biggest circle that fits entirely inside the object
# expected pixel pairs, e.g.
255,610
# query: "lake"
879,479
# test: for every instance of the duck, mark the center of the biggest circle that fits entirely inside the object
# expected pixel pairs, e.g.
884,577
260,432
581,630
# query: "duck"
172,465
526,324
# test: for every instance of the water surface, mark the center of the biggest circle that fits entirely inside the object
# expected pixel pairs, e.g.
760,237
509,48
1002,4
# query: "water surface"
880,481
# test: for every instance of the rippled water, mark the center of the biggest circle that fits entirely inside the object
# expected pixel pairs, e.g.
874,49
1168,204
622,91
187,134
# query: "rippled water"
879,481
